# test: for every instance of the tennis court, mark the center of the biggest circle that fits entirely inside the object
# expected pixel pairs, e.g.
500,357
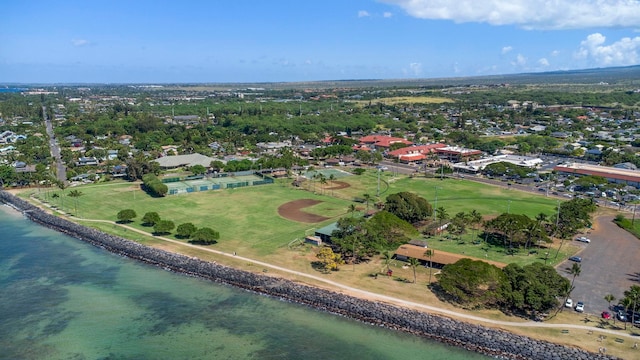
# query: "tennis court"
215,183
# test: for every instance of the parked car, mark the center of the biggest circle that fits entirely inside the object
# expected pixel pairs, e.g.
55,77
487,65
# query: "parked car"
568,303
580,306
606,315
633,318
583,239
622,316
576,258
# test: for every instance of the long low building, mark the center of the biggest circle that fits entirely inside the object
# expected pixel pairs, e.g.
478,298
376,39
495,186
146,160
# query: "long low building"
479,165
612,174
438,259
172,162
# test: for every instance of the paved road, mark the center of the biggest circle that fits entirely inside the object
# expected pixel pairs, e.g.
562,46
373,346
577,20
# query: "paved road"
61,170
609,265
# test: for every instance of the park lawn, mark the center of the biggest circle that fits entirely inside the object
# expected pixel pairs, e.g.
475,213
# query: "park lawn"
248,221
246,218
457,195
454,195
465,245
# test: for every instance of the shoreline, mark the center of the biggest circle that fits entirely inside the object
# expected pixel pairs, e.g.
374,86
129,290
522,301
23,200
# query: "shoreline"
477,338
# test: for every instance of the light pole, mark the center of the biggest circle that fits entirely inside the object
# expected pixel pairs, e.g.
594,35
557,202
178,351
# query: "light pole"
557,223
435,203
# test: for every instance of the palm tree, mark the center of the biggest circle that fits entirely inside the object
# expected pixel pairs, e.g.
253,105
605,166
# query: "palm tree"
367,198
313,179
541,219
442,215
413,262
511,231
310,170
429,254
475,218
331,178
575,270
562,238
633,294
75,194
352,209
626,302
62,185
565,291
323,181
609,298
532,231
387,257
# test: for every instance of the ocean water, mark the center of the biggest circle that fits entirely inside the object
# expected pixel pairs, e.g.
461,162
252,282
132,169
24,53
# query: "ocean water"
61,298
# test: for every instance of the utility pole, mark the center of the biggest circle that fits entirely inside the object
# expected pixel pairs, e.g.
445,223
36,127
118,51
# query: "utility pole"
557,223
435,203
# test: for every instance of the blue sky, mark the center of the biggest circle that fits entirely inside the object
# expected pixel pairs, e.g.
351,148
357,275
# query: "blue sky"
139,41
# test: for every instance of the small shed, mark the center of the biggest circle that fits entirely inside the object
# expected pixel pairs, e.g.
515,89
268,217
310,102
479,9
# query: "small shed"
325,233
313,240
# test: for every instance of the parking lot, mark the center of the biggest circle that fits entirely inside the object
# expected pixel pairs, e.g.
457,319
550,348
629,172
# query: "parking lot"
609,265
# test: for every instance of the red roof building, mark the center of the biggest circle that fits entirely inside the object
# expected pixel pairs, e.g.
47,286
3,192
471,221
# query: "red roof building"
457,154
383,141
415,153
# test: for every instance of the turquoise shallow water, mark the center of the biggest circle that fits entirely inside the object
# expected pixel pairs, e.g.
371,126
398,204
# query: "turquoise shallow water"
64,299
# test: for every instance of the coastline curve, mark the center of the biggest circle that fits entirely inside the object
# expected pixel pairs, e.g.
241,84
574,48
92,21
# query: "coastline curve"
489,341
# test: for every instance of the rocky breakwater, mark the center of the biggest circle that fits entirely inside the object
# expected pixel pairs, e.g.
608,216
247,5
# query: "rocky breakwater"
481,339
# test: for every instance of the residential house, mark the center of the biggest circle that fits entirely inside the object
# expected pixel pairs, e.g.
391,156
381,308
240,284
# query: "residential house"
87,161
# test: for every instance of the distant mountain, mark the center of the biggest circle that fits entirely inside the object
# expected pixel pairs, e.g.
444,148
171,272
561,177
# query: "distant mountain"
627,76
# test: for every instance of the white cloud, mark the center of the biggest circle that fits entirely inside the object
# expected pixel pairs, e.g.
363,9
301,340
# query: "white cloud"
415,69
80,42
506,49
625,51
363,13
555,53
387,14
520,60
543,62
529,14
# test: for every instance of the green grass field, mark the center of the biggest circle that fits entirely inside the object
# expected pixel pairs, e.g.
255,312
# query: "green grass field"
248,220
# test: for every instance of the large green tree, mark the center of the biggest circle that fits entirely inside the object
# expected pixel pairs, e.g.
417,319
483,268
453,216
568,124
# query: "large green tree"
532,289
206,236
408,206
383,231
126,215
186,230
472,283
163,227
150,218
